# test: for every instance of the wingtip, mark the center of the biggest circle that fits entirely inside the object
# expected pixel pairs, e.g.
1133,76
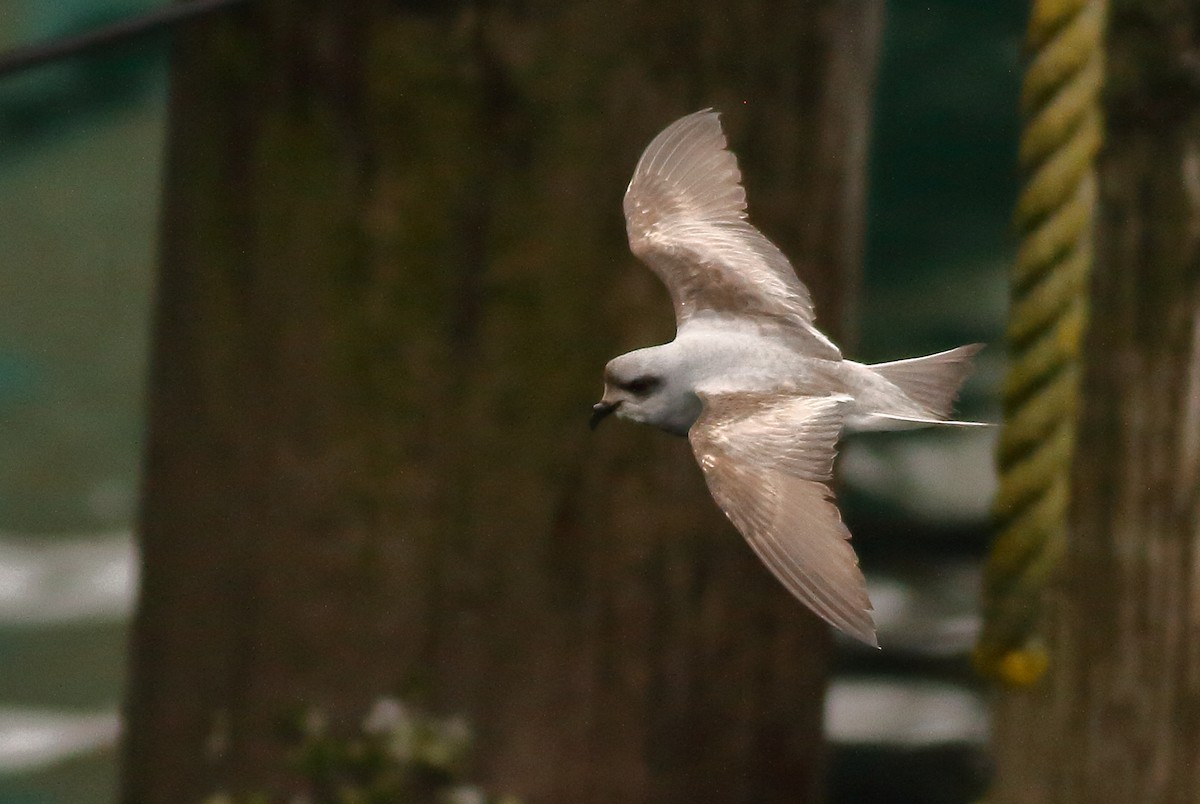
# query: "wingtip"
864,633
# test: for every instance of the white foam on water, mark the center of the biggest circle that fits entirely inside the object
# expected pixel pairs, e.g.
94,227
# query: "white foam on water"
66,579
34,738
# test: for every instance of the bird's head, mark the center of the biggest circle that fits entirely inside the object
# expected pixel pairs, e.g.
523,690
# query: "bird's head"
640,387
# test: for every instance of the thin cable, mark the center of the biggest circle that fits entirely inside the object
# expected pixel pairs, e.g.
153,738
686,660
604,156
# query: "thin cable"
29,56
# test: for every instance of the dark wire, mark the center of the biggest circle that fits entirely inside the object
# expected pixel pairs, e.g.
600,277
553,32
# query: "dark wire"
29,56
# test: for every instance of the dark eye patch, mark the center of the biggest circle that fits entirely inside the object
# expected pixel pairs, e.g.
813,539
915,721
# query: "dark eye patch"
641,385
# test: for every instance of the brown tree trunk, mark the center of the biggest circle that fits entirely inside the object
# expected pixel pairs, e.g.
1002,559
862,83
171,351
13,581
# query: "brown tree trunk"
1118,718
394,265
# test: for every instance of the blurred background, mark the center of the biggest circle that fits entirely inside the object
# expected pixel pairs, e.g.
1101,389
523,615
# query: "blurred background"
81,147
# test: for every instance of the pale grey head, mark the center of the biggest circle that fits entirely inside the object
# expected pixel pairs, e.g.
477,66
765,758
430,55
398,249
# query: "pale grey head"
649,386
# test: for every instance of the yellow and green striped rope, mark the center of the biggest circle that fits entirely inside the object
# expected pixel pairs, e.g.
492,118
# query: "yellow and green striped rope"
1060,107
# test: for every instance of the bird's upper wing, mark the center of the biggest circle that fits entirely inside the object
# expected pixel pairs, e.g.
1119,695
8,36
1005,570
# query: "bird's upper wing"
685,211
768,461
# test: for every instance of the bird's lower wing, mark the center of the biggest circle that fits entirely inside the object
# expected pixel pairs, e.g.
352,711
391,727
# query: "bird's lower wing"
768,462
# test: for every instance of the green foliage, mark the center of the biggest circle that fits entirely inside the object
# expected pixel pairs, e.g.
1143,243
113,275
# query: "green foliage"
398,755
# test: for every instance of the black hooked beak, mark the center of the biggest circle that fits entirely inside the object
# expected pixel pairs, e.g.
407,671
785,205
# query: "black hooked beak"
600,412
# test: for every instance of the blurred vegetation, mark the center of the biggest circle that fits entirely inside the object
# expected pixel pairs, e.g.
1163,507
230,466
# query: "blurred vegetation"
399,754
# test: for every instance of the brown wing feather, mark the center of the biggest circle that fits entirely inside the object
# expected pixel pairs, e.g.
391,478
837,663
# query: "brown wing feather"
685,212
767,462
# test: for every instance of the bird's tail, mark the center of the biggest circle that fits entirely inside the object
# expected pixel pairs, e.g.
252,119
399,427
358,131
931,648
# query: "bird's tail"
931,383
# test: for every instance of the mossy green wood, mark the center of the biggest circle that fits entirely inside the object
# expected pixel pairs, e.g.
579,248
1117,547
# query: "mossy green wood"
393,267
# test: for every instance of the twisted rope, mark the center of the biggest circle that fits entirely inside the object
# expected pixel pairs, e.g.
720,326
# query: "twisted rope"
1054,214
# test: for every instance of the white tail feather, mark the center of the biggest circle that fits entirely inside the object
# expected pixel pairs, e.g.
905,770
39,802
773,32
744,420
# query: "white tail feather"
931,382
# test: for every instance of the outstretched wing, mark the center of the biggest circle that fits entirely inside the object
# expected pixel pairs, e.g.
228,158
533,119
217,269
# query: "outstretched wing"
685,211
768,461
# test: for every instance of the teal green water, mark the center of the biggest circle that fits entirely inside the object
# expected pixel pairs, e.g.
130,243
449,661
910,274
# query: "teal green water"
80,148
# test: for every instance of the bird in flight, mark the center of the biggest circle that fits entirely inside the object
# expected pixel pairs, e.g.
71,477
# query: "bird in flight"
760,392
